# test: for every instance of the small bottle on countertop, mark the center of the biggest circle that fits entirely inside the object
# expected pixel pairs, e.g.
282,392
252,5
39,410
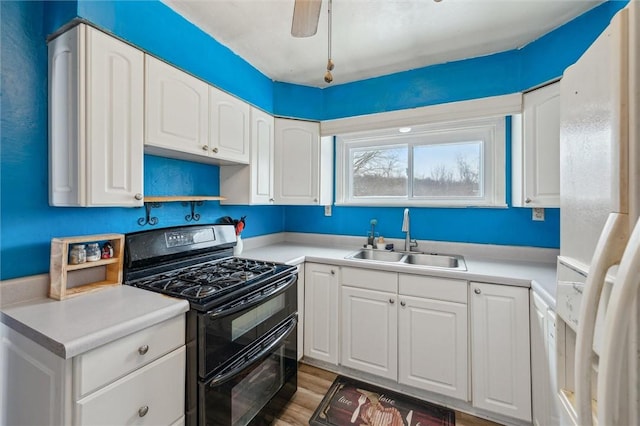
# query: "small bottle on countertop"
93,252
77,255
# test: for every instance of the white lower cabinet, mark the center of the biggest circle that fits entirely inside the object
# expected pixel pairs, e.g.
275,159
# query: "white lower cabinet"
543,363
300,311
321,312
369,331
149,395
501,372
433,335
138,379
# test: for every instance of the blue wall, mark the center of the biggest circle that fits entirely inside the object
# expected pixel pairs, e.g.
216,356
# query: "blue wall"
27,222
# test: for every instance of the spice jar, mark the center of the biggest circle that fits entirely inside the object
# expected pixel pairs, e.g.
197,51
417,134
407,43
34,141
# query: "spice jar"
77,255
93,252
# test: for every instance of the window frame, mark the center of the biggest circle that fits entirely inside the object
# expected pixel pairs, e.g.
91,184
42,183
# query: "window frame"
492,132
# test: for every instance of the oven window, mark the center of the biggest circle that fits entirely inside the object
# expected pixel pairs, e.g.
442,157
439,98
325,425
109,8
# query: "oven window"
250,394
262,312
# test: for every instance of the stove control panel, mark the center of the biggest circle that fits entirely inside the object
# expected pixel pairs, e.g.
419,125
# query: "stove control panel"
186,237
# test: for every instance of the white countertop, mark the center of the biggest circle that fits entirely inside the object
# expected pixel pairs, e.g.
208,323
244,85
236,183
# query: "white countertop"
541,276
73,326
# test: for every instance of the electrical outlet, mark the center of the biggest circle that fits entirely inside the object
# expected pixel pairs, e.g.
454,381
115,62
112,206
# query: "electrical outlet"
327,210
537,213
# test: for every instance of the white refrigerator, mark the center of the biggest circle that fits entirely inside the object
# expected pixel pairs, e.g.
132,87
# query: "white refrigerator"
599,264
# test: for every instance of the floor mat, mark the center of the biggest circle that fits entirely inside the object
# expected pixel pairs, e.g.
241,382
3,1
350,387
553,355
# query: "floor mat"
350,402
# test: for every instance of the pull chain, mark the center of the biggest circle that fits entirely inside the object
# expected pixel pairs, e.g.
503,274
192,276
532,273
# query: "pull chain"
328,77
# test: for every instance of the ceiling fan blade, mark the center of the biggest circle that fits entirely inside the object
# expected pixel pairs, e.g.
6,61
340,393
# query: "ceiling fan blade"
305,17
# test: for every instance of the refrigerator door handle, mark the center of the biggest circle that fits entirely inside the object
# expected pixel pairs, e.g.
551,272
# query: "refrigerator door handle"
607,253
619,314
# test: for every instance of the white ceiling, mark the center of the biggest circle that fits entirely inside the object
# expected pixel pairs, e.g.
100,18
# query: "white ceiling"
374,37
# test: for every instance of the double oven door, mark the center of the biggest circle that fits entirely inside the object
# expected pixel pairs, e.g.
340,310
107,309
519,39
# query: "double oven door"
247,356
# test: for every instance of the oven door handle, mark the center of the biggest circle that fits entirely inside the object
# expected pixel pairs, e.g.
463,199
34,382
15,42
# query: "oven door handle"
234,307
227,375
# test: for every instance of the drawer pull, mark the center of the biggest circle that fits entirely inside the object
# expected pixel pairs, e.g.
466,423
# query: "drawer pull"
143,349
142,411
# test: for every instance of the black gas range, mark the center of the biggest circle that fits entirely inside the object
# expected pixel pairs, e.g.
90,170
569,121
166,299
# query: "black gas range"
241,328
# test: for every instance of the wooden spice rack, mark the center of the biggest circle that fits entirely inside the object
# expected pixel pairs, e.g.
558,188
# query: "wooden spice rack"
60,268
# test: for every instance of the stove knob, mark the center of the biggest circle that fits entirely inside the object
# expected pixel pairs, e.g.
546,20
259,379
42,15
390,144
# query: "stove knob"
143,349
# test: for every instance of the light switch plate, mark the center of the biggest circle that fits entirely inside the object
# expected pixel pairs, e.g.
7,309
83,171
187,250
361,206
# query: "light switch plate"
537,213
327,210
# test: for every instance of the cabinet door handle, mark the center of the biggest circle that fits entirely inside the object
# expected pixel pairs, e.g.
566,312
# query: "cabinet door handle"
215,150
138,196
143,349
271,200
333,272
477,291
205,147
142,411
392,301
528,200
315,200
403,304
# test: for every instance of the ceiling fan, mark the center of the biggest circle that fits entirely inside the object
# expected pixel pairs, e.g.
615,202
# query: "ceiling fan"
305,17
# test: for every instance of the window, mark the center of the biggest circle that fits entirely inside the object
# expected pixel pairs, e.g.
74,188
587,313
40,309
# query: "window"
452,164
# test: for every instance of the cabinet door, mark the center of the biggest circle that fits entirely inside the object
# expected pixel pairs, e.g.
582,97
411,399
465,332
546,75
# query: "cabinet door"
115,102
432,346
539,369
501,374
369,331
228,127
176,109
321,312
297,161
541,147
262,157
300,311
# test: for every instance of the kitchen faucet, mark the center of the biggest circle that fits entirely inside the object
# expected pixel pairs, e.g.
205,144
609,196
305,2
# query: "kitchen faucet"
408,242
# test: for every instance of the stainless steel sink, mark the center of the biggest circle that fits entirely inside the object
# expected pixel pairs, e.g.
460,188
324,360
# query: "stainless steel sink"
428,260
435,260
381,256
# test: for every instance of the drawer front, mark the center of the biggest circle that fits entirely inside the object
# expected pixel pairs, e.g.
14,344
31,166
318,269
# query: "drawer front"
433,288
369,279
152,395
109,362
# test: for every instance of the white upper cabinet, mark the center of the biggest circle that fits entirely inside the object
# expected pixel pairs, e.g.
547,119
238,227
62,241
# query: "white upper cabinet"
229,127
252,184
96,101
176,109
303,163
188,119
536,149
501,373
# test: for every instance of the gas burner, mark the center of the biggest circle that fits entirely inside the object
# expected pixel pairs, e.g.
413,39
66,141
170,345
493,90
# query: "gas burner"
224,282
244,275
173,286
200,291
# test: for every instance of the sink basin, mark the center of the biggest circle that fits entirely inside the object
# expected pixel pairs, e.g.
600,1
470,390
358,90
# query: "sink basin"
382,256
427,260
436,260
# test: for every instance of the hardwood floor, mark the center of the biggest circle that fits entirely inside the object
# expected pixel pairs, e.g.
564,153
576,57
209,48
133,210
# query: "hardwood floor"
313,383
